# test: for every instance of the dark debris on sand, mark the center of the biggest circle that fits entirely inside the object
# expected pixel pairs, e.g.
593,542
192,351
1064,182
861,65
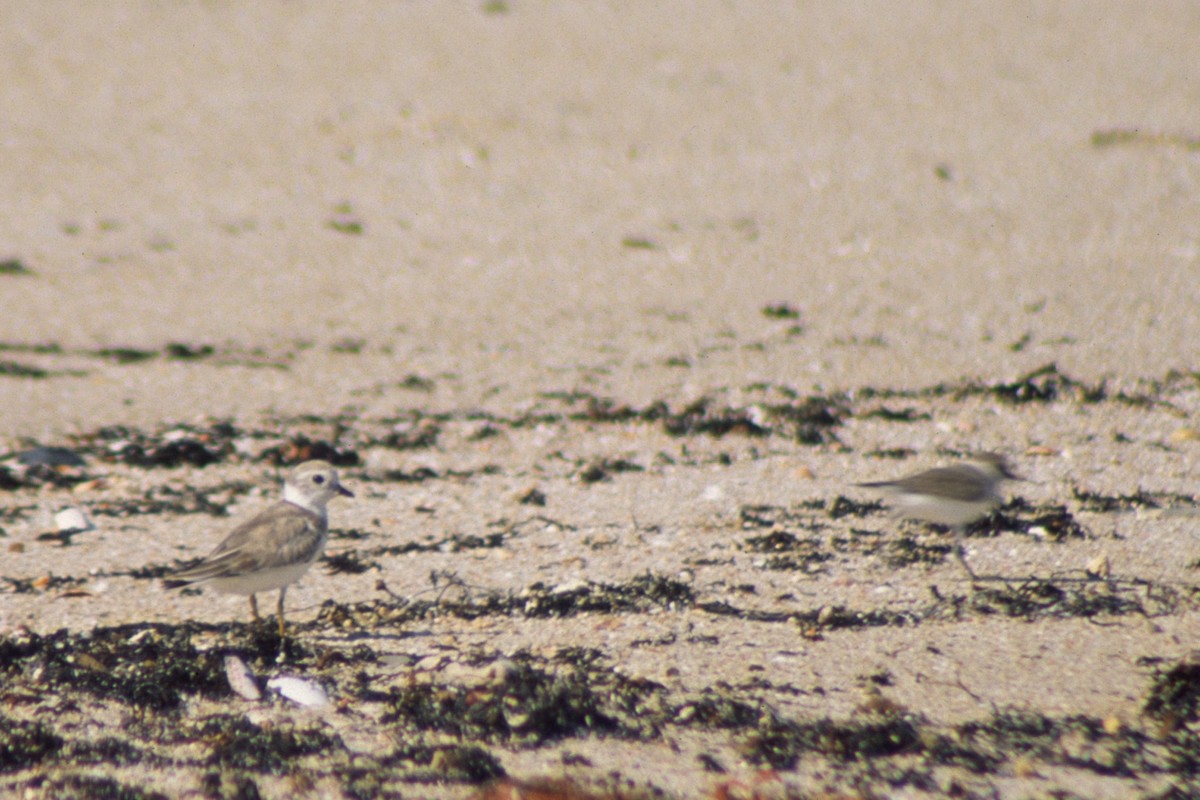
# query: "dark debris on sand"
445,732
457,732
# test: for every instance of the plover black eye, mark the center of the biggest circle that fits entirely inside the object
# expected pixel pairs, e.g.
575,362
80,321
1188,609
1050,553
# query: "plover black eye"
318,479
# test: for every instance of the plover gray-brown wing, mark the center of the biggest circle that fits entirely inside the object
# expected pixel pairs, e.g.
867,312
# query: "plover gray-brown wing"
275,548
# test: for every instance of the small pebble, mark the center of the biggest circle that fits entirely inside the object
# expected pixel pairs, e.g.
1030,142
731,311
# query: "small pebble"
50,457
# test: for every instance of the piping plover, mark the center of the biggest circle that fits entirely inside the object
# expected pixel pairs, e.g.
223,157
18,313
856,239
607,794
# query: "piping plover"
275,548
954,496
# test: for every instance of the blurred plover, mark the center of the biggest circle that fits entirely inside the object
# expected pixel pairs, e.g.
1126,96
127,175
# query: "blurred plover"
953,496
275,548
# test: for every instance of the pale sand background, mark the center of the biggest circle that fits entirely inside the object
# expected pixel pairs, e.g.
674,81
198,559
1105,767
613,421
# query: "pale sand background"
497,162
170,172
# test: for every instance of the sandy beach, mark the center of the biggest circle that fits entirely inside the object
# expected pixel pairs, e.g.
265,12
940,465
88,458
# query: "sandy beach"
602,310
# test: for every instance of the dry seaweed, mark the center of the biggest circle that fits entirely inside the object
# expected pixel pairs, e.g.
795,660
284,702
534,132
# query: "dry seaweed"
532,705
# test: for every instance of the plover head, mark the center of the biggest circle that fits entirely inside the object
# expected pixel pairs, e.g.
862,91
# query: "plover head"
994,466
313,484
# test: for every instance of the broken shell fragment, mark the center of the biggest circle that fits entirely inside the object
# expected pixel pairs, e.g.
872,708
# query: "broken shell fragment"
1099,567
72,519
300,691
241,679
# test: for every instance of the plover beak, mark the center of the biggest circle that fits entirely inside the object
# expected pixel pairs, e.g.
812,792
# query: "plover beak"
344,492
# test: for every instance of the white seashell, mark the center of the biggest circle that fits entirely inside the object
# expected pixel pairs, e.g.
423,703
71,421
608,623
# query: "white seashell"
241,679
300,691
72,518
757,415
